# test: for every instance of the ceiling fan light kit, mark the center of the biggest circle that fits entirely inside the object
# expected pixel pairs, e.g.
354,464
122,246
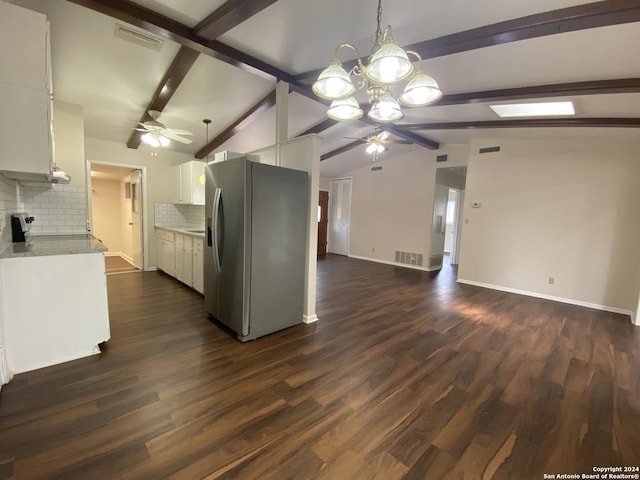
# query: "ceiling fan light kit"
156,134
388,65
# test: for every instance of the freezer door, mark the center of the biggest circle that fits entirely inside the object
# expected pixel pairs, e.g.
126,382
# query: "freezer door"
280,215
225,262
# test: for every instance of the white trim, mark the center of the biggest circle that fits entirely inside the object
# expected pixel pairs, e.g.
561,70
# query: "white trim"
310,318
395,264
570,301
112,254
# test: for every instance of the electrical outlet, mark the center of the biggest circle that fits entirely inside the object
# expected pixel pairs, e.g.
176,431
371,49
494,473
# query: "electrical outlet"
552,280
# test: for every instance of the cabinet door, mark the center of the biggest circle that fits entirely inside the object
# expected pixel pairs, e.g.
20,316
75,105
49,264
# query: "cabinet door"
25,131
168,255
180,273
176,187
23,48
187,261
185,182
197,183
198,271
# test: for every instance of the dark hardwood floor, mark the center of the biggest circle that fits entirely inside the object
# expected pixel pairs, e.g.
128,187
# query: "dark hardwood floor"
407,375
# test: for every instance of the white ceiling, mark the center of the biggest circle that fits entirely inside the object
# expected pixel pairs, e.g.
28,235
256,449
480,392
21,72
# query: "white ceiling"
114,80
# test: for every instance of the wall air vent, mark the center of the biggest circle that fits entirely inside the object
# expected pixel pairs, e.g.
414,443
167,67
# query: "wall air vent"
489,149
375,169
409,258
139,37
441,158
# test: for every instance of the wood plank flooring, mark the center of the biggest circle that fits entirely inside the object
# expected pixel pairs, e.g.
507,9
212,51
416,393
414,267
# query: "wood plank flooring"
117,264
407,375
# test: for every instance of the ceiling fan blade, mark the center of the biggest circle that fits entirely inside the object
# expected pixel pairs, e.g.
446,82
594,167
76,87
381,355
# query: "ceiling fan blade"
178,131
177,138
400,142
383,135
354,138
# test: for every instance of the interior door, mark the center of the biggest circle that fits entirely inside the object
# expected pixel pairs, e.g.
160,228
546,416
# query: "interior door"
339,215
438,226
323,219
136,218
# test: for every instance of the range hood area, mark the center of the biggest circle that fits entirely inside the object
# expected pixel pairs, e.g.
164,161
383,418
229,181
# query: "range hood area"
56,177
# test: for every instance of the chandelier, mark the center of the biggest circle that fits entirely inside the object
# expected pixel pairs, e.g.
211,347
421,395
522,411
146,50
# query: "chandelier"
388,65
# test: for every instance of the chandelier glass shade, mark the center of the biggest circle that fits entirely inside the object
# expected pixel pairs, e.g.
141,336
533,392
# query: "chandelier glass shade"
388,65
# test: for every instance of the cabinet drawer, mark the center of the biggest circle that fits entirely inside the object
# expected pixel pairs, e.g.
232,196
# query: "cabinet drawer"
164,234
198,244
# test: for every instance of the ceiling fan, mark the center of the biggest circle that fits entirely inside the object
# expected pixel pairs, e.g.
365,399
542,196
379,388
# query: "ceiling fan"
157,134
376,142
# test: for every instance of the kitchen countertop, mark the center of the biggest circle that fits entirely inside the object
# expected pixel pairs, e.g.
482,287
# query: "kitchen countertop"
46,245
194,232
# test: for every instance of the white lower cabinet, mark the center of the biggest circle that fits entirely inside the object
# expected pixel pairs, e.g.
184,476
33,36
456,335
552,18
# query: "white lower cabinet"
184,259
165,252
68,320
180,256
198,265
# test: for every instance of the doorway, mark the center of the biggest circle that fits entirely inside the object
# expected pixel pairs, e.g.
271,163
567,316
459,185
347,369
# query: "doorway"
323,220
339,215
452,225
447,217
116,214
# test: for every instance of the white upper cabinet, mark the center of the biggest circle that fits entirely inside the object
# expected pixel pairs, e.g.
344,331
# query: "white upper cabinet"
188,183
26,140
24,48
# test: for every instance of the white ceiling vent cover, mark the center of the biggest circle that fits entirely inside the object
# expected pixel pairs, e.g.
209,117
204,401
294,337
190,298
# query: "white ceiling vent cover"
138,37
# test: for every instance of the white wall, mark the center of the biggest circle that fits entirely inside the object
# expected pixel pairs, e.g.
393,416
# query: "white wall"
158,173
68,134
392,208
555,209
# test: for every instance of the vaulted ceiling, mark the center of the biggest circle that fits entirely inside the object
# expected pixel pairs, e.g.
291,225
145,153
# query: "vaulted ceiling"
221,60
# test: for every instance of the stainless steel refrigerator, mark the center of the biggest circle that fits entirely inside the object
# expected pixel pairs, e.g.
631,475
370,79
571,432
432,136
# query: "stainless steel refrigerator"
254,260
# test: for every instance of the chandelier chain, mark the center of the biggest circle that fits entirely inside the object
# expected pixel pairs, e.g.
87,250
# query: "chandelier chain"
378,33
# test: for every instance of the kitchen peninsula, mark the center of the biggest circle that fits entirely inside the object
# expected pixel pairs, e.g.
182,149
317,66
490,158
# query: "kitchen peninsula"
54,300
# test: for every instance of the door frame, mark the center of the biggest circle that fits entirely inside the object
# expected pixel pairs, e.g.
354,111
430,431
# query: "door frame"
143,211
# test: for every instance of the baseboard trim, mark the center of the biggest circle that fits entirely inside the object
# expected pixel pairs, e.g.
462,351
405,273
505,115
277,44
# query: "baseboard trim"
112,254
580,303
310,318
395,264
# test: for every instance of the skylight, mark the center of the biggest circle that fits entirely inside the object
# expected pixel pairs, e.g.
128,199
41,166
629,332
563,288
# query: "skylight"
546,109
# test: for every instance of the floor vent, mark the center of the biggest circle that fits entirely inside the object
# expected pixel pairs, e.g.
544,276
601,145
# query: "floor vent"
409,258
435,261
138,37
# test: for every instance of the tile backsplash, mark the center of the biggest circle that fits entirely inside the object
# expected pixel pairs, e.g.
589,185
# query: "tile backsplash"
179,216
8,205
58,209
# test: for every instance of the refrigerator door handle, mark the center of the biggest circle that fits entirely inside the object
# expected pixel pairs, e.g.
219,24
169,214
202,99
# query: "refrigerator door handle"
215,215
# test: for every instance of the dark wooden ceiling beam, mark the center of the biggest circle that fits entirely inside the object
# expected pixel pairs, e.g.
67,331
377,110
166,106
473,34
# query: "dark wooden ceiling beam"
230,14
598,87
579,17
342,149
399,131
178,69
529,122
249,116
165,27
319,127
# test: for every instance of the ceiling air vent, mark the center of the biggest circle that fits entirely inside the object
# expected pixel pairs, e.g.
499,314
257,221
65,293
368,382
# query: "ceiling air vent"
441,158
489,149
138,37
375,169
